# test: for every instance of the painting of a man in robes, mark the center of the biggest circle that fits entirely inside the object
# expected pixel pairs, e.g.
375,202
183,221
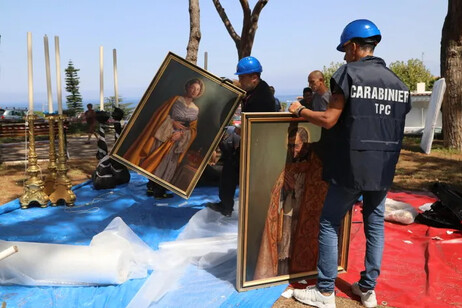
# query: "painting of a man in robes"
281,198
294,210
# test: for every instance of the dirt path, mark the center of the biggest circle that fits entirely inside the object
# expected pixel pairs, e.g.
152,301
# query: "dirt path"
81,164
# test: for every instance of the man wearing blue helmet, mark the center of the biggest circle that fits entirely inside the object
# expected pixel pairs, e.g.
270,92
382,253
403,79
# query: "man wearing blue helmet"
365,124
259,98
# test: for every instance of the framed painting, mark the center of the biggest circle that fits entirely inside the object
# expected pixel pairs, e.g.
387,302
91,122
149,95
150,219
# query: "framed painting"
177,125
281,197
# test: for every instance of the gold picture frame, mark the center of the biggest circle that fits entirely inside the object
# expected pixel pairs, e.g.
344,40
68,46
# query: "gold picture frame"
177,125
281,197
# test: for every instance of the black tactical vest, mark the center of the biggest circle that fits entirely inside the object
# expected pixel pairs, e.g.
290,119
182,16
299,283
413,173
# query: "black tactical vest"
363,147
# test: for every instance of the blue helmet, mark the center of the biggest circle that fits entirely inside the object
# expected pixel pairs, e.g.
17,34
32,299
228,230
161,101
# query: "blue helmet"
248,65
360,28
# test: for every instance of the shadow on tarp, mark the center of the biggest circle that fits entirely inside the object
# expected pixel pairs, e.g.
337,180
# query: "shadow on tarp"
153,221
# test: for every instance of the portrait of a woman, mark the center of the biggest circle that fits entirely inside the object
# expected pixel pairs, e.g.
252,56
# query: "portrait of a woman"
171,130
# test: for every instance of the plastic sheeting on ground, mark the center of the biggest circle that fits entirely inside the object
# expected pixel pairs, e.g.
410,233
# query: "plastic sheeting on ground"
204,282
113,256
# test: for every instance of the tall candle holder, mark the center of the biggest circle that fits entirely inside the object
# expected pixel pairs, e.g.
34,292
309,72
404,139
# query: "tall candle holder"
50,179
34,188
63,185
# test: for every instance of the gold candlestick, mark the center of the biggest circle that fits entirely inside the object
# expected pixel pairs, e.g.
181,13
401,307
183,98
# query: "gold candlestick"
63,185
50,179
34,188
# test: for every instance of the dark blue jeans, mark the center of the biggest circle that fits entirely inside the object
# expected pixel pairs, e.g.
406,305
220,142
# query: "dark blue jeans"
339,201
228,182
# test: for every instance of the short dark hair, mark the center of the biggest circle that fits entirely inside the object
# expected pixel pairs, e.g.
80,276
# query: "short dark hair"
367,43
307,89
90,105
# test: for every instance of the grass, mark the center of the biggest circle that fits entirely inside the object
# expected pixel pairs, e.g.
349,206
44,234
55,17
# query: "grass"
417,170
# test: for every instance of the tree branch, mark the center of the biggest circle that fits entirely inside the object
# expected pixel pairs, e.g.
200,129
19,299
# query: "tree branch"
250,25
255,16
194,31
227,23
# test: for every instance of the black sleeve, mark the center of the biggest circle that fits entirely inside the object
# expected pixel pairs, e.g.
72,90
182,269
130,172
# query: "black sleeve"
269,104
339,83
261,100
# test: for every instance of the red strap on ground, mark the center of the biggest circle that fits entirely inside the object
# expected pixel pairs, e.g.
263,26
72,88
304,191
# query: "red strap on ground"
421,267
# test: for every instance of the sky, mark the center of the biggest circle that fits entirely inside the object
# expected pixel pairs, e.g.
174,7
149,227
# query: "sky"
294,37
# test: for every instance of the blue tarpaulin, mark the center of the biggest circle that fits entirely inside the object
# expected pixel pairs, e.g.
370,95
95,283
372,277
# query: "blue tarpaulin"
154,221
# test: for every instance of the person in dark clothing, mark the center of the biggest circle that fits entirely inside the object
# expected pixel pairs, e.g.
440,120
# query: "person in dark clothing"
277,103
90,117
307,98
365,120
259,98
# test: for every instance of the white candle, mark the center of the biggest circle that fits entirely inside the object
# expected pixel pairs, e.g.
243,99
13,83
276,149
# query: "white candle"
58,76
47,70
101,83
206,60
30,73
8,252
116,85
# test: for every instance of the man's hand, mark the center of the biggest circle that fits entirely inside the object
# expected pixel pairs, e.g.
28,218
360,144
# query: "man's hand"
177,135
294,106
178,125
213,159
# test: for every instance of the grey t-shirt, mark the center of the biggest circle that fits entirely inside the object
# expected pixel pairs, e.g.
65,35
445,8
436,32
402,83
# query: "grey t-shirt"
320,102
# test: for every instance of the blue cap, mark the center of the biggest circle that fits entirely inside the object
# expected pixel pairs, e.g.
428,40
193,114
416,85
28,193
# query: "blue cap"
360,28
248,65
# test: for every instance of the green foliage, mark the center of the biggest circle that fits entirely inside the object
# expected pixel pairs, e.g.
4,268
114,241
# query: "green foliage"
76,128
432,81
412,72
109,104
39,114
74,100
284,106
329,71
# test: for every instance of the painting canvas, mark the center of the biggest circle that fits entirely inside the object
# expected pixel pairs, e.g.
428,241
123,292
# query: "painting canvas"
281,197
177,125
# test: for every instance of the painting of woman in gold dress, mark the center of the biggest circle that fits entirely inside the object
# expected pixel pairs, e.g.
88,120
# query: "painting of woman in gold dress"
174,129
164,141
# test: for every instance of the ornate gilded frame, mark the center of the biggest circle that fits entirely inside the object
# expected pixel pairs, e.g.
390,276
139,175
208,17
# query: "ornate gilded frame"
216,108
264,151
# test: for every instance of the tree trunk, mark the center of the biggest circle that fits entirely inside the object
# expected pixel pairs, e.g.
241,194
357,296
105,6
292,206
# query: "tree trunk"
244,43
451,70
194,31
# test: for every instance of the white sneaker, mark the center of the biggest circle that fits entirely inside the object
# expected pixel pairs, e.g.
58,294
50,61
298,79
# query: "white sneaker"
368,298
312,296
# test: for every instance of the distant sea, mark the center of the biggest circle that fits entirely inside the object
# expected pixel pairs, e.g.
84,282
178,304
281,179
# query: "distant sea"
43,106
287,98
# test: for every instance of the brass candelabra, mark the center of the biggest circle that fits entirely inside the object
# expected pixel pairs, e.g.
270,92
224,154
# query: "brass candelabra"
50,179
62,189
34,187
